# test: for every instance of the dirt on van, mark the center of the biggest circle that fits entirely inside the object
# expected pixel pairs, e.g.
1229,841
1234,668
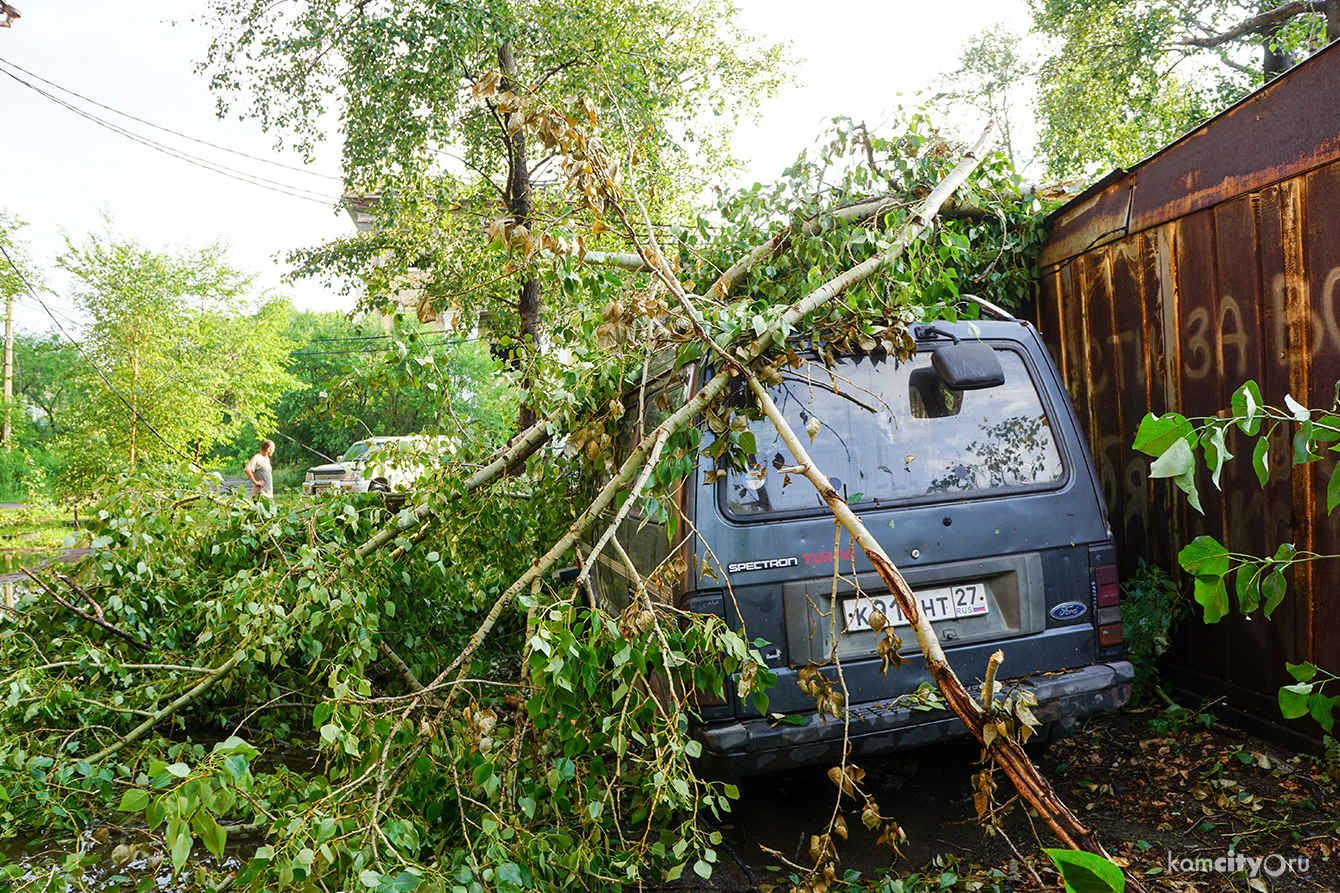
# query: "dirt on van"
1184,803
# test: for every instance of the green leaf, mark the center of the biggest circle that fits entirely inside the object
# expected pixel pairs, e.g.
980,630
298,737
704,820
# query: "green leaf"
702,869
134,800
1293,700
1216,452
1323,710
1087,872
405,881
1247,405
1302,445
1211,593
1157,434
1179,463
1203,556
1209,561
1333,490
1273,588
155,814
212,833
180,770
179,843
1260,459
1249,588
1302,672
235,745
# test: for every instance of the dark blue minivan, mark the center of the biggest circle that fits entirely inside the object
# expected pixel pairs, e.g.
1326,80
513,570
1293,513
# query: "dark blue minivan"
986,499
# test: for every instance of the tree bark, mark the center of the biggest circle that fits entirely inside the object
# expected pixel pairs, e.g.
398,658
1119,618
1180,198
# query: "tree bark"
1332,20
1274,62
1258,23
520,205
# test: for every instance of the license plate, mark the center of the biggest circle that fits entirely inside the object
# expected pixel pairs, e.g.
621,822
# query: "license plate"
945,603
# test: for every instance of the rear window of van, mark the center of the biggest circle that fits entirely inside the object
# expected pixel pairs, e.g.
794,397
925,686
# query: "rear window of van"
890,432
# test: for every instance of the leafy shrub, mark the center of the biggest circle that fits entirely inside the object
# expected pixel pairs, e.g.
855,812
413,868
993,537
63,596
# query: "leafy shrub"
1151,605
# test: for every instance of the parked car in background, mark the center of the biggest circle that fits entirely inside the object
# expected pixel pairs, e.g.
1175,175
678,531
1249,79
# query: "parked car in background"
379,465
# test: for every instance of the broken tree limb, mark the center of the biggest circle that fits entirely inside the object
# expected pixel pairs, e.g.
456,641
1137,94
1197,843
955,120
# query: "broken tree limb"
706,395
138,732
96,620
1005,750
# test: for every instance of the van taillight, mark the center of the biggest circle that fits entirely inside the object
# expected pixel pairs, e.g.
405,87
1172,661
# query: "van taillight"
1107,601
709,705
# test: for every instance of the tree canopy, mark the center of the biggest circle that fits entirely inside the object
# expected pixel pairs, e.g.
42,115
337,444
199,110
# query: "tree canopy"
664,81
1123,79
178,354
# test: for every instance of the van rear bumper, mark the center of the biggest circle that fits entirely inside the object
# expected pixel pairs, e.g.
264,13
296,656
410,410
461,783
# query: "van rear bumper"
754,746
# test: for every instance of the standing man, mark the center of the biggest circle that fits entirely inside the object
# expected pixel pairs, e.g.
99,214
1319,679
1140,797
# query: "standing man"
259,473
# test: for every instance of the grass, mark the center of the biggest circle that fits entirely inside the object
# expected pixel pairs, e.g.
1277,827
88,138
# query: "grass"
36,527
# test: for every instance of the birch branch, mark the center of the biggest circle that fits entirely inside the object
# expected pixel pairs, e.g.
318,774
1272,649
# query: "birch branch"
91,618
138,732
1006,751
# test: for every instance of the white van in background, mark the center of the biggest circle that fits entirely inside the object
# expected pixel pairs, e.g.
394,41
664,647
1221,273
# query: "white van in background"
380,465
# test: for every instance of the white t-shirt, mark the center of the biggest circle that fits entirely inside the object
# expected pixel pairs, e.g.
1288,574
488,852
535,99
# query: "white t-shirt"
260,467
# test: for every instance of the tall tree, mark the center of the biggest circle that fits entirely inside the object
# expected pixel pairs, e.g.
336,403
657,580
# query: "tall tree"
991,71
666,75
178,354
45,381
1126,78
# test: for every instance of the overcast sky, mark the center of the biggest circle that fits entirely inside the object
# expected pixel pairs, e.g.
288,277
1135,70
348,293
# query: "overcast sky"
61,170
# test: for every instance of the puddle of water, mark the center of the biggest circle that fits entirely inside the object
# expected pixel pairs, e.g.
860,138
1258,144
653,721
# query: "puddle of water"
116,860
13,559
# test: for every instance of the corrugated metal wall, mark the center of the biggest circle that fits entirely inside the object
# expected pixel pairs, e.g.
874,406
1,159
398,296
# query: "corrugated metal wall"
1167,286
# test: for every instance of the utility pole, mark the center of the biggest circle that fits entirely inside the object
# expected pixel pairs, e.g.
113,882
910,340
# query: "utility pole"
9,371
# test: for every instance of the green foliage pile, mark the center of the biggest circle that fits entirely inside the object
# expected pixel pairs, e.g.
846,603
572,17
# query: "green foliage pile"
477,725
551,763
985,241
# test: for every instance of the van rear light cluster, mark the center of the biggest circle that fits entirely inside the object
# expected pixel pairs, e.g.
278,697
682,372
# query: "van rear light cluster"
1107,602
710,705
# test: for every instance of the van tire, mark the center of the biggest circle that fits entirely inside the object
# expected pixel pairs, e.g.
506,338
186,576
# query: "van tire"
379,485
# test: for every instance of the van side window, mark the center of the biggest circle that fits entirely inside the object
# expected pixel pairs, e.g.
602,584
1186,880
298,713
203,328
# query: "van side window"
891,432
662,397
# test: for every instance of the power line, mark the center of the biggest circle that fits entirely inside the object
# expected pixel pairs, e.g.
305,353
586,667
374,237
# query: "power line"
233,173
301,170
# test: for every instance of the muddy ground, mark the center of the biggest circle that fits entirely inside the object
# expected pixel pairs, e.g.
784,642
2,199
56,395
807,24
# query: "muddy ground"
1159,799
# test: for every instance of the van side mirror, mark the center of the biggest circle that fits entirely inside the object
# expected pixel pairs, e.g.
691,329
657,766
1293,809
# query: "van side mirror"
968,366
930,397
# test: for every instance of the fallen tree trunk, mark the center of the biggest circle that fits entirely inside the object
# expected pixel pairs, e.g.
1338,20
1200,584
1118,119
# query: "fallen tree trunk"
628,472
